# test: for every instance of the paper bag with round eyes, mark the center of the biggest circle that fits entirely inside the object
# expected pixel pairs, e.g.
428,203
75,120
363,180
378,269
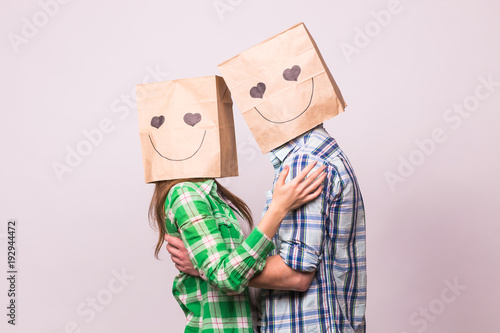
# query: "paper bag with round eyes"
283,87
186,129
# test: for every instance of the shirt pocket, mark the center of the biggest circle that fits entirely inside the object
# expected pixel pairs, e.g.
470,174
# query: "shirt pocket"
229,232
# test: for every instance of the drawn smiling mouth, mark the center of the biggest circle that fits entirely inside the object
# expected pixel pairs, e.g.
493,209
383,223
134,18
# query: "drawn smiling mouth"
300,114
181,159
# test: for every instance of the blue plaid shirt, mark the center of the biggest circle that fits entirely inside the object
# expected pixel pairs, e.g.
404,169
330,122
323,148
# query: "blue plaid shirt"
327,236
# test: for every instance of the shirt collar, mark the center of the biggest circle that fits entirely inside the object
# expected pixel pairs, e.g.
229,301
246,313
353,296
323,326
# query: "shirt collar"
207,186
278,155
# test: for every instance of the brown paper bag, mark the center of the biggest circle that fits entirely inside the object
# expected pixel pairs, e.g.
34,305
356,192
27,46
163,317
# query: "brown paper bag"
186,129
282,87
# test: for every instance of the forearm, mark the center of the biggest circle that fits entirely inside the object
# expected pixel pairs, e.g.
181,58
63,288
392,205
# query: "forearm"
271,220
230,272
278,275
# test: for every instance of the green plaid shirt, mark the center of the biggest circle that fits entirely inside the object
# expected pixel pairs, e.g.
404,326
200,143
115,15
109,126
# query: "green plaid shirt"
217,301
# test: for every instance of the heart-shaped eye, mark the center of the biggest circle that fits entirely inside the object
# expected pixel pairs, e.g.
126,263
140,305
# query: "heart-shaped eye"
258,90
192,118
157,121
291,74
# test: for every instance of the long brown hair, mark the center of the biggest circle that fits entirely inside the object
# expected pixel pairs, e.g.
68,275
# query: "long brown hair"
157,206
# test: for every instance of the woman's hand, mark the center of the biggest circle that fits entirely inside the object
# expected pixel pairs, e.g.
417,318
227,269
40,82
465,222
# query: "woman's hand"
179,255
298,191
291,195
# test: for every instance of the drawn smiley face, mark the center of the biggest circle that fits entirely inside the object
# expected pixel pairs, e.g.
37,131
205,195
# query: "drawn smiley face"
289,74
186,129
282,87
190,119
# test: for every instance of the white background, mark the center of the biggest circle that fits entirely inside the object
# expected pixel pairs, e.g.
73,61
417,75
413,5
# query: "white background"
436,225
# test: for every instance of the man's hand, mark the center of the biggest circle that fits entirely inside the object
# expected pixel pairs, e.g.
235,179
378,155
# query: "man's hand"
179,255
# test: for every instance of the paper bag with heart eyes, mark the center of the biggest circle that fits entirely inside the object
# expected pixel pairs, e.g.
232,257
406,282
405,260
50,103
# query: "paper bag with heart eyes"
283,87
186,129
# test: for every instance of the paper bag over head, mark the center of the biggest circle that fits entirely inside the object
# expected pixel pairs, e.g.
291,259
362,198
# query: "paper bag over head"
282,87
186,129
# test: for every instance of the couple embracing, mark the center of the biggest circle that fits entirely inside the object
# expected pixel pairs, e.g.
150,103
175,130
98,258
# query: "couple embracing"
302,268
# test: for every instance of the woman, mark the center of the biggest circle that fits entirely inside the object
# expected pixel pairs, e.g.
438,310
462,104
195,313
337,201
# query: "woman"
202,213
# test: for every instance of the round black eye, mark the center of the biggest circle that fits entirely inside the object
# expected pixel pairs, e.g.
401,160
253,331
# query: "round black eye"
157,121
291,74
192,118
258,90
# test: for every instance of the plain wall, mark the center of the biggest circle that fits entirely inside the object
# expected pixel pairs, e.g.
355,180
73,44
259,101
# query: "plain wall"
432,220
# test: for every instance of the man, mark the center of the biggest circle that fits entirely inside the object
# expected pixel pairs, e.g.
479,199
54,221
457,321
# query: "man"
326,237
